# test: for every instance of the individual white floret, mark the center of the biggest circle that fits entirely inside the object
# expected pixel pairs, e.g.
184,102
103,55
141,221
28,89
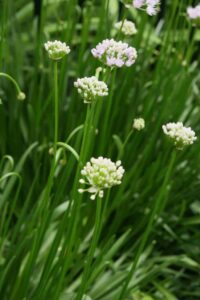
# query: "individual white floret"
100,173
126,27
180,136
115,53
90,88
56,49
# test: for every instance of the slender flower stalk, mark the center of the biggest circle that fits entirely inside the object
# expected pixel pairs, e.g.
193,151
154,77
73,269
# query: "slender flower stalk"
138,124
20,95
75,200
127,138
158,203
56,106
56,51
90,255
120,33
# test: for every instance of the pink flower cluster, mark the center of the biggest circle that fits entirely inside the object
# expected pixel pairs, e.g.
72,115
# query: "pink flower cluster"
114,53
194,12
151,6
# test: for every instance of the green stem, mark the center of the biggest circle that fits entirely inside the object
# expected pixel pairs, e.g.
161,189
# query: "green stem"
76,198
56,110
107,18
155,209
106,129
12,80
128,138
90,255
120,34
124,144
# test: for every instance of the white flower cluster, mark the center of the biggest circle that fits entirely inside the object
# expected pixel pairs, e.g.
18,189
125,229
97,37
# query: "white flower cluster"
115,54
90,88
181,136
126,27
138,124
194,12
56,49
101,173
151,6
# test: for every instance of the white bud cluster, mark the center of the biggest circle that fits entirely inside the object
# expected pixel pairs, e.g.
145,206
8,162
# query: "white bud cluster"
90,88
126,27
56,49
114,53
21,96
181,136
138,123
101,173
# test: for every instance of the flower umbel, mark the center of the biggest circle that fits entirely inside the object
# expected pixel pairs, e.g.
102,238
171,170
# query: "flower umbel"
115,54
138,3
90,88
151,6
194,12
180,136
101,173
138,124
126,27
56,49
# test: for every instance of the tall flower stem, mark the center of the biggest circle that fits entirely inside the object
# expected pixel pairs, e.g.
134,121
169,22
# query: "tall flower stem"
75,203
56,109
155,210
53,165
106,130
119,34
90,255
